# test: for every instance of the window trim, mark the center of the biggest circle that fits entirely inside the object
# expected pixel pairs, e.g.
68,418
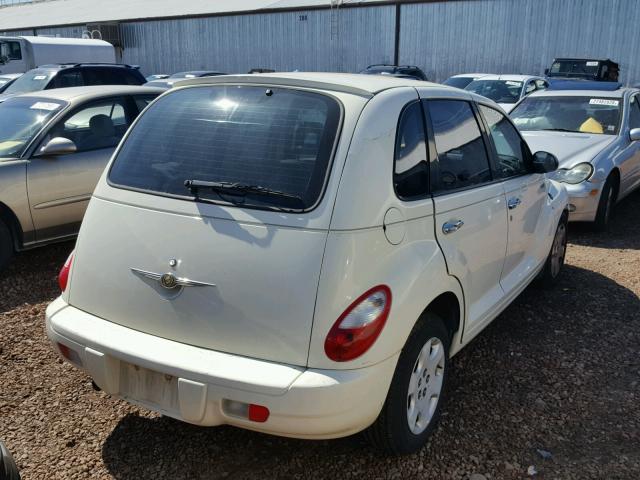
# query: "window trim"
494,152
629,106
434,172
295,211
427,193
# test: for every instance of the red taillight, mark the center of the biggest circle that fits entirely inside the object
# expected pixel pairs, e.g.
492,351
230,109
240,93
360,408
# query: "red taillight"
359,326
63,276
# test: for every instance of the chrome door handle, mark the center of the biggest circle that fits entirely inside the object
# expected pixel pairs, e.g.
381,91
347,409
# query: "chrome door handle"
513,203
450,227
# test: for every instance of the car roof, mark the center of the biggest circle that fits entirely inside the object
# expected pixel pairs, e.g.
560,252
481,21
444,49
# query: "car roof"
11,75
198,72
61,66
355,83
619,93
514,78
83,93
474,75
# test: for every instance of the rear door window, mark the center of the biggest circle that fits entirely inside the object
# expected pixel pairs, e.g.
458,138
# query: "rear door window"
462,157
277,141
411,168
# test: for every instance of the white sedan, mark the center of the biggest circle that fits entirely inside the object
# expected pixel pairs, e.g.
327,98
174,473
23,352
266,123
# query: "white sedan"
507,90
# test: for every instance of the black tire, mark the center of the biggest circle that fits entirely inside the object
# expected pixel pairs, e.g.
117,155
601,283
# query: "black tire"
552,269
8,468
391,432
6,245
606,204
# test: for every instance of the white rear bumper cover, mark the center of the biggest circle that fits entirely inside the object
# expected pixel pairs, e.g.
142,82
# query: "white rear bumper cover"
190,383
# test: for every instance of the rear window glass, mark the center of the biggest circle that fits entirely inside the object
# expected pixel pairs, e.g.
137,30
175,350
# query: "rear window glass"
261,147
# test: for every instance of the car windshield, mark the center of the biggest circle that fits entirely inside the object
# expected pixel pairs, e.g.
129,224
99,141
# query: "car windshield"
32,81
500,91
4,81
20,121
251,146
569,114
458,82
574,68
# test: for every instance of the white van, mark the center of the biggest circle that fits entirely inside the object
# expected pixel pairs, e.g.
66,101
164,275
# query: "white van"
20,54
300,254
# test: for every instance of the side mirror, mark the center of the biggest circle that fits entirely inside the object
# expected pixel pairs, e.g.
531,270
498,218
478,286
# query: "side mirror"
546,71
57,146
544,162
634,134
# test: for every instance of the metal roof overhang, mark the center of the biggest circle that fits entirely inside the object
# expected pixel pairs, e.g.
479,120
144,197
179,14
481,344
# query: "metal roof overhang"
54,13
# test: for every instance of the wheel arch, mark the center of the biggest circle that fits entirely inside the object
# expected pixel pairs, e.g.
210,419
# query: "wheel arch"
615,174
9,218
447,307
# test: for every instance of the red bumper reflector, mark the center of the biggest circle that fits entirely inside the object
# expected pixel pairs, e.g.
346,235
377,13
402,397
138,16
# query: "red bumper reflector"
70,354
258,413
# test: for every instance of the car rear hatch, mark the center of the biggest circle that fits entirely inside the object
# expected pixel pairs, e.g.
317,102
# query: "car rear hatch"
232,263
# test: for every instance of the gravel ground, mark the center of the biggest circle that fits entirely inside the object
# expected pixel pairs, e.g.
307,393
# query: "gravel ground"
557,372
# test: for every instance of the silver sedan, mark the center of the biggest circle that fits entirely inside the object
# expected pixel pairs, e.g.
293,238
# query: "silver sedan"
54,145
595,135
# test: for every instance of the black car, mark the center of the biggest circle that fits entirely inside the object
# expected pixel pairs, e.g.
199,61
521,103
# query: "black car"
402,71
177,77
73,75
583,69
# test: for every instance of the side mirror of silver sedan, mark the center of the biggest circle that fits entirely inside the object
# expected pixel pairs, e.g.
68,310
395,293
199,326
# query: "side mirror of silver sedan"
544,162
57,146
634,134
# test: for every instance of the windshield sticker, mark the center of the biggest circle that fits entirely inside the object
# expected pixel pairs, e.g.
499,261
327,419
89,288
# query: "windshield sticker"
611,128
45,106
604,101
512,83
592,64
39,77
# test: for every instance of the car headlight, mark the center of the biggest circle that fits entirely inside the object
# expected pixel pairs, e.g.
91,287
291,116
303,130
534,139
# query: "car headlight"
574,175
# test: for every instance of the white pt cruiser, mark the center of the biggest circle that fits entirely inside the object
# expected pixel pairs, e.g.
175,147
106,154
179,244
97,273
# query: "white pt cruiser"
301,254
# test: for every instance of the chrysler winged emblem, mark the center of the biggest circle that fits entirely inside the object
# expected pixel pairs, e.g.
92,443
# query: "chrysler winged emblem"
169,280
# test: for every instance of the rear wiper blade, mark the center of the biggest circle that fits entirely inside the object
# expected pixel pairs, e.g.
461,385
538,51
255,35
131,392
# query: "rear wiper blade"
236,188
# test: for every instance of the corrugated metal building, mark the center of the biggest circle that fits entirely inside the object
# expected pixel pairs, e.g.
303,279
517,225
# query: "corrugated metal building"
442,37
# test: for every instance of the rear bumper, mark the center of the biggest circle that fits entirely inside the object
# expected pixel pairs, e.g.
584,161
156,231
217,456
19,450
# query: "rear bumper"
195,384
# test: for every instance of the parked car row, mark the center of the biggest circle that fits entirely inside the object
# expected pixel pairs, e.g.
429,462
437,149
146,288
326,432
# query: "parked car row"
585,118
305,252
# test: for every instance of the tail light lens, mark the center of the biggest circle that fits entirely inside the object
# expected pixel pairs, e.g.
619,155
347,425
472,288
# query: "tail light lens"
63,276
359,326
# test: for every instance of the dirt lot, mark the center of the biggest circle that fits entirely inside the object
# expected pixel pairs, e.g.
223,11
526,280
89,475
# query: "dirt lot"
559,371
